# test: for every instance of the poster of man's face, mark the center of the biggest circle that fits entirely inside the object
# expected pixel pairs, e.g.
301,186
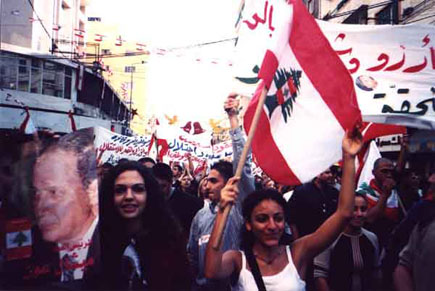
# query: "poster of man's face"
58,210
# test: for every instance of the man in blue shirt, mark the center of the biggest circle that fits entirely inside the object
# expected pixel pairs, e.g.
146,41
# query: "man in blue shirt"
204,220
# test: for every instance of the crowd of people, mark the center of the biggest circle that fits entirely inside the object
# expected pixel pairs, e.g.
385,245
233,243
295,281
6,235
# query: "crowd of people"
154,226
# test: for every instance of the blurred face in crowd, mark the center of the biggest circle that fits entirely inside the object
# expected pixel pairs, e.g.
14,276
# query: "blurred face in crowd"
269,184
267,222
412,180
185,182
383,171
62,204
326,177
165,186
130,194
213,185
176,171
201,188
359,212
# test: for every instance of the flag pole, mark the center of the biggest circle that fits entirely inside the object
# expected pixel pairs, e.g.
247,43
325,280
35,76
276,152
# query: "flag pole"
220,225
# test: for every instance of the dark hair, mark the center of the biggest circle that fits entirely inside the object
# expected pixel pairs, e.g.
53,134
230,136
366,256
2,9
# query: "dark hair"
146,159
163,171
157,221
180,168
81,144
224,168
107,165
362,195
252,201
381,160
160,234
123,160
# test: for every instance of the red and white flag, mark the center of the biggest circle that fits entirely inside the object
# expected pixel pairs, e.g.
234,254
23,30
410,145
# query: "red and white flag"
119,41
18,239
369,132
365,170
310,102
27,126
72,121
140,46
372,130
79,33
99,37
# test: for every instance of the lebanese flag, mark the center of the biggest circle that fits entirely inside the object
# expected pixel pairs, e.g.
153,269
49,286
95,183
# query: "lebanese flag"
18,239
79,33
140,46
310,101
99,37
119,41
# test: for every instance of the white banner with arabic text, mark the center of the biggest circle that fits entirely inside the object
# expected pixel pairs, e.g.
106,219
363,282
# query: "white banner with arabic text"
393,67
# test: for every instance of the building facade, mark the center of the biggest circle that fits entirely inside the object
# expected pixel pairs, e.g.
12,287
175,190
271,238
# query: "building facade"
41,68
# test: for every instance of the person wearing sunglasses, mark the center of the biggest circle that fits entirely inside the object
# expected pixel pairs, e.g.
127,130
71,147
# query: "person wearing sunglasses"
141,242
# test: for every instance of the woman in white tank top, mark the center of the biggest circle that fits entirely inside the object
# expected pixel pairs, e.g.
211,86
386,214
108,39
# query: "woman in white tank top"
280,267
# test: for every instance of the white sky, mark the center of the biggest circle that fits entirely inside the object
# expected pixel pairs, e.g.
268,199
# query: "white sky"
179,85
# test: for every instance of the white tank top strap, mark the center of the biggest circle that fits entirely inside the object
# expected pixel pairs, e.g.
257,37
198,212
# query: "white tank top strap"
286,280
289,254
243,260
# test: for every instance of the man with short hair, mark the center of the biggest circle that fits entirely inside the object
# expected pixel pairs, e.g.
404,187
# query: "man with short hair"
183,205
66,241
384,212
177,171
311,204
204,220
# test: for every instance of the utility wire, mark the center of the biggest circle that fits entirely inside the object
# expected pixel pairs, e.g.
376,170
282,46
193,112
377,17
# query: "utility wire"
39,19
335,15
416,20
43,26
132,54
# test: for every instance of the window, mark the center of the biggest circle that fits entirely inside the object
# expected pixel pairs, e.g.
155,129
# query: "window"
52,81
388,15
8,72
36,77
23,74
68,81
358,17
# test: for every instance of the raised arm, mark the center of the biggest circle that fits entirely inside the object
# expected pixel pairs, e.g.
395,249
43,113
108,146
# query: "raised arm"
307,247
217,264
246,184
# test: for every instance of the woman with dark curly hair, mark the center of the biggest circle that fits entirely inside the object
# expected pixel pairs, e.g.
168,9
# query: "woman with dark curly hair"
266,262
141,242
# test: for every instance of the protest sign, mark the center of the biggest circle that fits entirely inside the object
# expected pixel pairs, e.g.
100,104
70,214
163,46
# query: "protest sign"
392,67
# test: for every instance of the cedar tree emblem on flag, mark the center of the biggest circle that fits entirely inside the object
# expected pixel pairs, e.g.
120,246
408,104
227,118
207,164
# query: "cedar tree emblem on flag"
287,84
310,99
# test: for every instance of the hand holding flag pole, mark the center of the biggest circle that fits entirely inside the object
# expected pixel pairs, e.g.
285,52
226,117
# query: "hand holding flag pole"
220,224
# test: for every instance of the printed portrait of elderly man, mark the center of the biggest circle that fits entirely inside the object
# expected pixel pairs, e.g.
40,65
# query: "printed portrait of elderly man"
366,83
65,245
